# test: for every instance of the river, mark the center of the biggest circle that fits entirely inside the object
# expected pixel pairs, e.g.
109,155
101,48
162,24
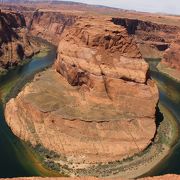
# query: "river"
169,91
16,160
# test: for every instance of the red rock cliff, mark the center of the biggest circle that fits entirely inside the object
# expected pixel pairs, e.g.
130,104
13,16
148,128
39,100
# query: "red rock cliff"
14,43
48,25
172,56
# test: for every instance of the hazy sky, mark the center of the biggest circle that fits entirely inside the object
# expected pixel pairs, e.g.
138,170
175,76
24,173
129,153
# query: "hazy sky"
168,6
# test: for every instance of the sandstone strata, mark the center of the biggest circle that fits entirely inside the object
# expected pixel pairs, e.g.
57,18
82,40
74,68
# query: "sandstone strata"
14,43
170,64
153,38
172,56
48,25
97,107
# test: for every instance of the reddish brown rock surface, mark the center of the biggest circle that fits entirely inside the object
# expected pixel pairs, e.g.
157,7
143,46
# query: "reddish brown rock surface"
87,110
156,40
48,25
172,56
153,38
165,177
14,43
55,178
170,64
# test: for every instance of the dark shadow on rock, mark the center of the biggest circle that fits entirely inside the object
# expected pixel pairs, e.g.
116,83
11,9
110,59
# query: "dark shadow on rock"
20,51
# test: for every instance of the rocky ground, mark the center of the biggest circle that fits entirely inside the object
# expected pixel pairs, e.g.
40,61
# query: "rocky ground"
166,177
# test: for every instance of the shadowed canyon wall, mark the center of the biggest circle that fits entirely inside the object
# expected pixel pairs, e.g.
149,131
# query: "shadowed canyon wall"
14,42
48,25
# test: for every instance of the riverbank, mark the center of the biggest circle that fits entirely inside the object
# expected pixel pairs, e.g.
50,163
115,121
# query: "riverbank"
17,158
42,50
170,72
7,88
131,167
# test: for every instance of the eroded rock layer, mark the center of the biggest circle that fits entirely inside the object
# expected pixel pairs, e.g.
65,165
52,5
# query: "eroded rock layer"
153,38
172,56
48,25
14,43
170,64
98,105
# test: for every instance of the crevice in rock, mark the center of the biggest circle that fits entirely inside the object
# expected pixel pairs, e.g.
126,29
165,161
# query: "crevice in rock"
105,82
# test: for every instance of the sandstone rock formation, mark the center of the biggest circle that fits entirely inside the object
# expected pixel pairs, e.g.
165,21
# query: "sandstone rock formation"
48,25
97,107
14,42
153,38
172,56
170,64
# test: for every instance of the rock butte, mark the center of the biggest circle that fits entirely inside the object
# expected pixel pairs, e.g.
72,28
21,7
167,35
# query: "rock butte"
96,105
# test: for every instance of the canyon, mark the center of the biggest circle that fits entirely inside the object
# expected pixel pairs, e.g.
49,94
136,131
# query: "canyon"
89,98
15,45
97,104
170,63
158,41
153,36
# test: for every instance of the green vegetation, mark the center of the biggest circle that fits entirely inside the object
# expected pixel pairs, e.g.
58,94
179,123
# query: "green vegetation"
3,71
48,158
169,72
43,53
45,152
